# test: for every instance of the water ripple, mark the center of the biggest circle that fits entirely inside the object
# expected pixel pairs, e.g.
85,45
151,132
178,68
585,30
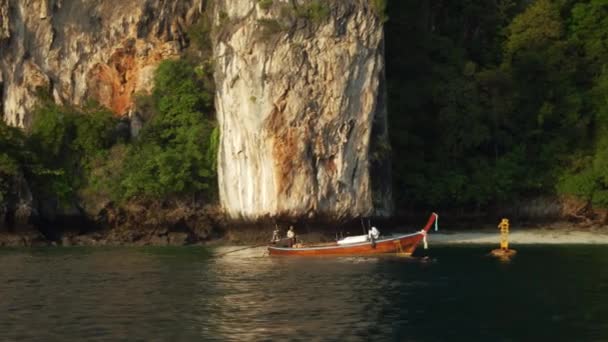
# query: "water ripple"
184,294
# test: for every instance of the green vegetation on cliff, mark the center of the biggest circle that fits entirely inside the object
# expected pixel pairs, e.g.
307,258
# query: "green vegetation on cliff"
75,160
87,154
12,156
176,150
65,141
492,102
489,102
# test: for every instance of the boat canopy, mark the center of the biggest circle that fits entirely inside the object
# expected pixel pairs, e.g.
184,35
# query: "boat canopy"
352,239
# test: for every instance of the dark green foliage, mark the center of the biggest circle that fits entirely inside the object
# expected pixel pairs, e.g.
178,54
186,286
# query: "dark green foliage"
587,174
95,131
8,169
539,27
270,27
60,131
212,149
82,153
497,101
79,153
265,4
176,149
439,111
379,7
12,144
489,102
314,10
65,140
200,35
103,177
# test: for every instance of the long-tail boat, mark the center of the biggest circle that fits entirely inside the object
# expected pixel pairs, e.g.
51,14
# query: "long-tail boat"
402,244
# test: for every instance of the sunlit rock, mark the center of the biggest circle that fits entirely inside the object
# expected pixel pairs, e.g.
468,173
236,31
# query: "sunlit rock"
80,50
300,103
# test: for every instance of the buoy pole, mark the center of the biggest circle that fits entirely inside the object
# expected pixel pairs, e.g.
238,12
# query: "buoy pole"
504,234
504,253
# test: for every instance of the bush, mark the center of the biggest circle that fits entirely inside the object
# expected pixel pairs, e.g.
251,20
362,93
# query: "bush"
270,27
265,4
175,153
200,35
8,169
65,140
104,177
379,7
95,131
72,152
315,11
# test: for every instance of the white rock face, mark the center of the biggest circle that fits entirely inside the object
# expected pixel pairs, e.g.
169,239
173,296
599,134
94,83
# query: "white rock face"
299,92
300,89
76,50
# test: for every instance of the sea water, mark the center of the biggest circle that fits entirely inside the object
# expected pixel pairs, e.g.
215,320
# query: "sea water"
181,294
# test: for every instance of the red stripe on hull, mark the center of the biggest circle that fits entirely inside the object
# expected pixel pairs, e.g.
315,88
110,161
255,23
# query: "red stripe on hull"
405,245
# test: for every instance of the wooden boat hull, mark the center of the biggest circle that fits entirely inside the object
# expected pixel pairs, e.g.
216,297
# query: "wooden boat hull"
404,244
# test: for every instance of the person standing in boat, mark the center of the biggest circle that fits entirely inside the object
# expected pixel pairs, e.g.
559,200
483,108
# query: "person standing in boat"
291,235
373,235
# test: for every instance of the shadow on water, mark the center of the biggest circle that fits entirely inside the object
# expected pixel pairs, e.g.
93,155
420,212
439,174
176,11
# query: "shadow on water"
186,293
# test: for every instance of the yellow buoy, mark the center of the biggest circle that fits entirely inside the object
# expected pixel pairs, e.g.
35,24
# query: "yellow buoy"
504,253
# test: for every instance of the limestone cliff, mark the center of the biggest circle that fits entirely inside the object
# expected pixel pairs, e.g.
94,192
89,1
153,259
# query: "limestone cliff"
79,50
300,89
299,92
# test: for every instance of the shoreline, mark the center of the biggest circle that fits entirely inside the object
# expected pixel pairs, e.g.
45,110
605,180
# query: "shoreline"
562,235
525,236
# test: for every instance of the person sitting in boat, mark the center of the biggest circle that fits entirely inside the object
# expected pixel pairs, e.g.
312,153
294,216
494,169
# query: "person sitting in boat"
275,235
291,235
373,234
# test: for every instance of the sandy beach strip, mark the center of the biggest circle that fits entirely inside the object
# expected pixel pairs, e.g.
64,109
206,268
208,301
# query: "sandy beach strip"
528,236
